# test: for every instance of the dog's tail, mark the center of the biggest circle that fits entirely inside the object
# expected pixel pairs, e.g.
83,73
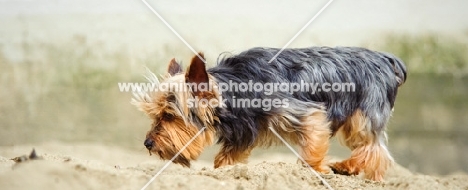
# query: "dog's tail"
398,67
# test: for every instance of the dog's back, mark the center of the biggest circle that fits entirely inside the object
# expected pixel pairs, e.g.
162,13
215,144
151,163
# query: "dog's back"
366,80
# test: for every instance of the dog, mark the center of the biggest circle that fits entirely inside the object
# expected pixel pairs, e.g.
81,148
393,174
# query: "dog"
303,118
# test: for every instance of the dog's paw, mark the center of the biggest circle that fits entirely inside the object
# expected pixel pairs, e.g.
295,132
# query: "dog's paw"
323,169
344,168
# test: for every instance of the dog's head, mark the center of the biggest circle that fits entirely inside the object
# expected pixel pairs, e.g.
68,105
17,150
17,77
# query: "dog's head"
177,118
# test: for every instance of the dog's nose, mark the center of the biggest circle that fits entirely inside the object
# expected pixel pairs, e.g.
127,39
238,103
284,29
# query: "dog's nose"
149,143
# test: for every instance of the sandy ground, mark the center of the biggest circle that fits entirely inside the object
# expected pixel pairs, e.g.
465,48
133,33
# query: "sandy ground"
94,166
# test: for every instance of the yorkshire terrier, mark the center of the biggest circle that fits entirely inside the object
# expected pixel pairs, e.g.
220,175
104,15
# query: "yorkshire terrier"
240,119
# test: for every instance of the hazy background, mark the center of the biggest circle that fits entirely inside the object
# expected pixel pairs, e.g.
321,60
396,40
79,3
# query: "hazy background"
61,60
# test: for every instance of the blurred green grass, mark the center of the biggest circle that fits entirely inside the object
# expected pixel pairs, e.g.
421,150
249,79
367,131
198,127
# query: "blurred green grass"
429,53
68,92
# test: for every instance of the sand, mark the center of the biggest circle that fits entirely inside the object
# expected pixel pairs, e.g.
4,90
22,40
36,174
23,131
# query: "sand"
95,166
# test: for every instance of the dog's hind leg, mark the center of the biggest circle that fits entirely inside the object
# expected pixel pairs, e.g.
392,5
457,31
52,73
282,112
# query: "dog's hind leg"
315,141
368,146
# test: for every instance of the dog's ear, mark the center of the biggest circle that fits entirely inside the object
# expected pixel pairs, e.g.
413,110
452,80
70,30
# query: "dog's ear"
174,67
196,73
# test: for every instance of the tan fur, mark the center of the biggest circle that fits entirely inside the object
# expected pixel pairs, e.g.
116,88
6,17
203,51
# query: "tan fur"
369,152
316,134
174,135
228,156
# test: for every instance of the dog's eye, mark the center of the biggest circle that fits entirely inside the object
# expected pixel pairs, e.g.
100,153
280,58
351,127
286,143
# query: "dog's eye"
167,117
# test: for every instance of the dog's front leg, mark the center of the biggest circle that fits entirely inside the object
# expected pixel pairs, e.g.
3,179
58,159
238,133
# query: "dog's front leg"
230,155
